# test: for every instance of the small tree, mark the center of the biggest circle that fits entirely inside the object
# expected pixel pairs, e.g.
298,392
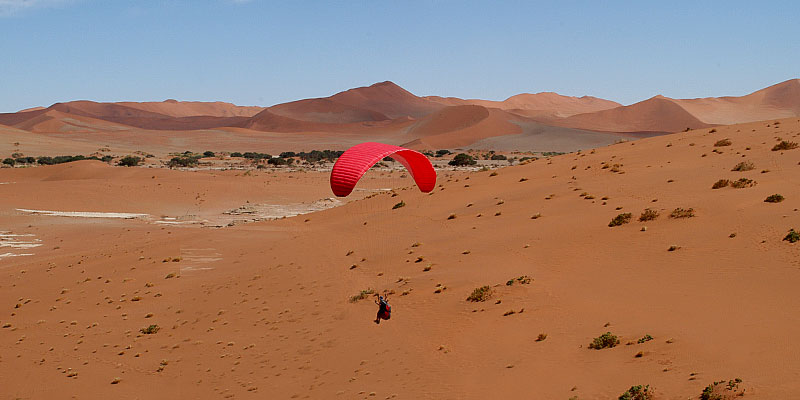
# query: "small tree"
130,161
462,159
9,161
208,154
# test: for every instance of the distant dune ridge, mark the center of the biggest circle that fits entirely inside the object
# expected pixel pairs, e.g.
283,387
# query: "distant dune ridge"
385,111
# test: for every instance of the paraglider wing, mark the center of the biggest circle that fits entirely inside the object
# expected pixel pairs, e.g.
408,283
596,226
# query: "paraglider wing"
360,158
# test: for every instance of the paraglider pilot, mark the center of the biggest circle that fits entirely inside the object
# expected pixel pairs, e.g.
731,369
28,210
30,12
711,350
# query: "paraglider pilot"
384,309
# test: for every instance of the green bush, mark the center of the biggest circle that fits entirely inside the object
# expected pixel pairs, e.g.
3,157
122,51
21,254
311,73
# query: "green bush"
606,340
742,183
482,293
497,157
236,154
462,159
637,392
184,161
522,280
792,236
208,154
774,198
442,152
645,338
722,390
623,218
130,161
9,161
648,215
150,329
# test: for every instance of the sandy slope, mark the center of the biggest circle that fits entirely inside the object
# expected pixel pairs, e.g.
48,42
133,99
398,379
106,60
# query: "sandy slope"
777,101
458,126
262,309
176,108
657,114
537,104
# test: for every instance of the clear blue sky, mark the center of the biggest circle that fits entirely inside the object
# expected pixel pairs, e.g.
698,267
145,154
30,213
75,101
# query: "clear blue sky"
260,52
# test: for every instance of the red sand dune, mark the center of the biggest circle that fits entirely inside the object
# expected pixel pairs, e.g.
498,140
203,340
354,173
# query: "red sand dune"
387,98
325,111
62,122
176,108
778,101
537,104
657,114
457,126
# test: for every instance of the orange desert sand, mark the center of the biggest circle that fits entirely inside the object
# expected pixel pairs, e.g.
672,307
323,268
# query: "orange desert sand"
244,304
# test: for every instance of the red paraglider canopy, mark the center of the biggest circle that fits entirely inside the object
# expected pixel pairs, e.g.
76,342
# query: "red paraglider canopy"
360,158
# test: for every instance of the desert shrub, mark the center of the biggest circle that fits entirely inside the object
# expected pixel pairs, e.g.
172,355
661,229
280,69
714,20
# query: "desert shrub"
9,161
24,160
320,155
44,160
482,293
522,280
723,142
398,205
150,329
442,152
623,218
711,131
744,166
208,154
462,159
721,183
792,236
278,161
742,183
682,213
106,158
722,390
637,392
645,338
130,161
648,215
541,337
236,154
606,340
496,157
287,154
362,295
784,145
774,198
183,161
250,155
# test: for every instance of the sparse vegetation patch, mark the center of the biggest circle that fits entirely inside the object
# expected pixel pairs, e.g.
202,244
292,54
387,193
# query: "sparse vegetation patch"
482,293
682,213
362,295
638,392
792,236
150,329
648,215
723,142
721,184
774,198
522,280
784,145
744,166
722,390
742,183
606,340
620,219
